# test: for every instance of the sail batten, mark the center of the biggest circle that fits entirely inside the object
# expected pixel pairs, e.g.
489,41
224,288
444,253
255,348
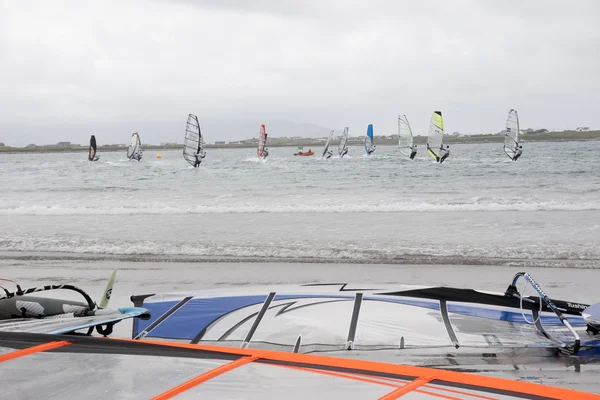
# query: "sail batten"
435,139
134,152
405,136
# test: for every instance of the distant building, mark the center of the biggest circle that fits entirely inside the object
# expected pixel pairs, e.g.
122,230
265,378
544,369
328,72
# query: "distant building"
1,144
63,144
30,145
583,128
219,142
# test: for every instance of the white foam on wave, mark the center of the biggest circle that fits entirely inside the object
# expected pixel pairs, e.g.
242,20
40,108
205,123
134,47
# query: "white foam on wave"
305,252
140,208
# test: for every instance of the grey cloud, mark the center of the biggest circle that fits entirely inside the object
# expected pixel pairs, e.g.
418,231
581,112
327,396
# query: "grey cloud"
73,68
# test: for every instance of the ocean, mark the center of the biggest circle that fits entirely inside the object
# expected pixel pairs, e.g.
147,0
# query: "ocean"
472,222
478,207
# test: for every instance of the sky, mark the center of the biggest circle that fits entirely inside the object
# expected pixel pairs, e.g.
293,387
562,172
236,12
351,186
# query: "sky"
69,69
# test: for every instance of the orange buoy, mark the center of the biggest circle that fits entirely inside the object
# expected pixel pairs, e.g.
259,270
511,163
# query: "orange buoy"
158,155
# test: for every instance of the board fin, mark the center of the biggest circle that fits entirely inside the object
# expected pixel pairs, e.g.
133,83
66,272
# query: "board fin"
108,291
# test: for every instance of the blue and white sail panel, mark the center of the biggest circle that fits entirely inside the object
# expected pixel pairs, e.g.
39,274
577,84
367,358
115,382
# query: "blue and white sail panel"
327,319
369,139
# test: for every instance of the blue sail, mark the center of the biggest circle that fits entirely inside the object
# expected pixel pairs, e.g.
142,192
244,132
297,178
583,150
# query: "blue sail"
369,140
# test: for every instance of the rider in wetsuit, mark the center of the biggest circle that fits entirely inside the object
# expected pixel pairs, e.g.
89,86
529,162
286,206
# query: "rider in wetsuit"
446,154
413,152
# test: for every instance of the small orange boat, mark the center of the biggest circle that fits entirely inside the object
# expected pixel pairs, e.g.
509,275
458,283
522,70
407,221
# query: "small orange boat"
304,153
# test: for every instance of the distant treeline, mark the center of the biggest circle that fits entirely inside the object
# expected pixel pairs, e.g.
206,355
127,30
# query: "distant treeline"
311,142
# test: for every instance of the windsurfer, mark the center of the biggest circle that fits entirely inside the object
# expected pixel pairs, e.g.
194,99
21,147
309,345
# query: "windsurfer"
329,154
446,154
199,157
265,153
413,152
518,153
344,152
371,150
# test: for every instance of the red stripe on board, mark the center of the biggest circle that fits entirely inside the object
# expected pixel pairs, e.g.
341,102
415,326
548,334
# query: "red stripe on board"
32,350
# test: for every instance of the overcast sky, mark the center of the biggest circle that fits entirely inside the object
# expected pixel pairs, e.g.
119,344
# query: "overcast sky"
69,69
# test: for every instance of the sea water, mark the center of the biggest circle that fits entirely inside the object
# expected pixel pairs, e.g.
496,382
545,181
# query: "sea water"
477,207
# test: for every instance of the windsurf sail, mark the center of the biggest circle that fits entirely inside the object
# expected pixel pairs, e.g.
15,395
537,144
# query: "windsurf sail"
134,152
261,150
327,143
343,149
405,136
369,147
435,140
193,143
92,153
326,315
511,137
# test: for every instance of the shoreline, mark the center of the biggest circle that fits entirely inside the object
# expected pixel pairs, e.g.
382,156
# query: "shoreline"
390,142
566,136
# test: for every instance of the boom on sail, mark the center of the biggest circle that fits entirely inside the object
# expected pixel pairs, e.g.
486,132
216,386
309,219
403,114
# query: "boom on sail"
512,147
92,153
343,149
134,152
405,137
261,150
193,143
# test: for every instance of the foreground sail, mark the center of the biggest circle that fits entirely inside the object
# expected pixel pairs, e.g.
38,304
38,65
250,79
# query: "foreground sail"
134,152
369,147
405,137
435,140
261,150
193,144
343,149
512,147
92,154
326,152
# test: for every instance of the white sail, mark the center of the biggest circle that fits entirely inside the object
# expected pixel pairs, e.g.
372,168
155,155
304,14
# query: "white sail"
511,137
327,143
134,152
343,141
435,139
193,142
405,136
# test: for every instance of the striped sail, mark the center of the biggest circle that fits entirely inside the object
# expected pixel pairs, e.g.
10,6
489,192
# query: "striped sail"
343,142
405,136
327,144
193,142
134,152
511,137
435,140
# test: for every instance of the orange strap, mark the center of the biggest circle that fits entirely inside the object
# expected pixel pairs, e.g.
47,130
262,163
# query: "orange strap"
204,377
31,350
406,388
